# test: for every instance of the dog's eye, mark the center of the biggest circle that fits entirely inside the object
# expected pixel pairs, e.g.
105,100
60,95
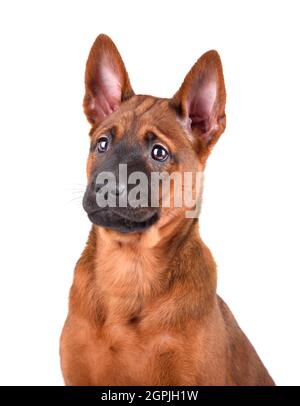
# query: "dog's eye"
159,153
102,144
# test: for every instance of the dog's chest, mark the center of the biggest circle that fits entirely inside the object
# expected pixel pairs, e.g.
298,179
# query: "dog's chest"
136,341
122,354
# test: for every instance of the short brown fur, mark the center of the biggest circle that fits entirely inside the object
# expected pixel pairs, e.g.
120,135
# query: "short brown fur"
143,307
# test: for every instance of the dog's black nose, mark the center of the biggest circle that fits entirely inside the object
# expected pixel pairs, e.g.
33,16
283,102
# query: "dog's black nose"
118,190
111,188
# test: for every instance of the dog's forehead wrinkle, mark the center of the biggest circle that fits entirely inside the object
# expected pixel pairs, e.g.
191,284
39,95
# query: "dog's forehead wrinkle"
145,105
135,113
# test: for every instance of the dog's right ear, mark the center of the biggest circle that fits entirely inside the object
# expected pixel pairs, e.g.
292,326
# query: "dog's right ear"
107,83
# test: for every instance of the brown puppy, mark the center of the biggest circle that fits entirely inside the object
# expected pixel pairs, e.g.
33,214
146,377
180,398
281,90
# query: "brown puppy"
143,305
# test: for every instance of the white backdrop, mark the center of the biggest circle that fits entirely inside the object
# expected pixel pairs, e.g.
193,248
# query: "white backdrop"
250,217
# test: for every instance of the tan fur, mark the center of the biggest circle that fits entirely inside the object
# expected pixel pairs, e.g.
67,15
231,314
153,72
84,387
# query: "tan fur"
143,307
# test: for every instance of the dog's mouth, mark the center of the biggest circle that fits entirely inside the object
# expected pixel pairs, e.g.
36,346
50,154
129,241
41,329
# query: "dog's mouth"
124,221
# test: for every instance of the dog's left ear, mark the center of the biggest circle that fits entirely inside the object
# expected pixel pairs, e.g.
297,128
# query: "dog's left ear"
107,83
200,101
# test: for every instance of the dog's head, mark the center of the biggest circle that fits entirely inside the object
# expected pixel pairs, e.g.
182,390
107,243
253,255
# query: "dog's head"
138,141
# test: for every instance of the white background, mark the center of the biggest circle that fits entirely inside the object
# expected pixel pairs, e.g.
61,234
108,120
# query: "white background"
250,216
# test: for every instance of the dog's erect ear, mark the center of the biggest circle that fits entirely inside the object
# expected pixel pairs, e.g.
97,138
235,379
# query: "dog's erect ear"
107,83
201,101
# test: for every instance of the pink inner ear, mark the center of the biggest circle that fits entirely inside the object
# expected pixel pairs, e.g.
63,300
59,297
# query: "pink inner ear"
111,85
109,92
200,104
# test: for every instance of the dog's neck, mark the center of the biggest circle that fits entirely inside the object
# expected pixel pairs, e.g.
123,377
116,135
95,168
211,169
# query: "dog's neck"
139,260
131,272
